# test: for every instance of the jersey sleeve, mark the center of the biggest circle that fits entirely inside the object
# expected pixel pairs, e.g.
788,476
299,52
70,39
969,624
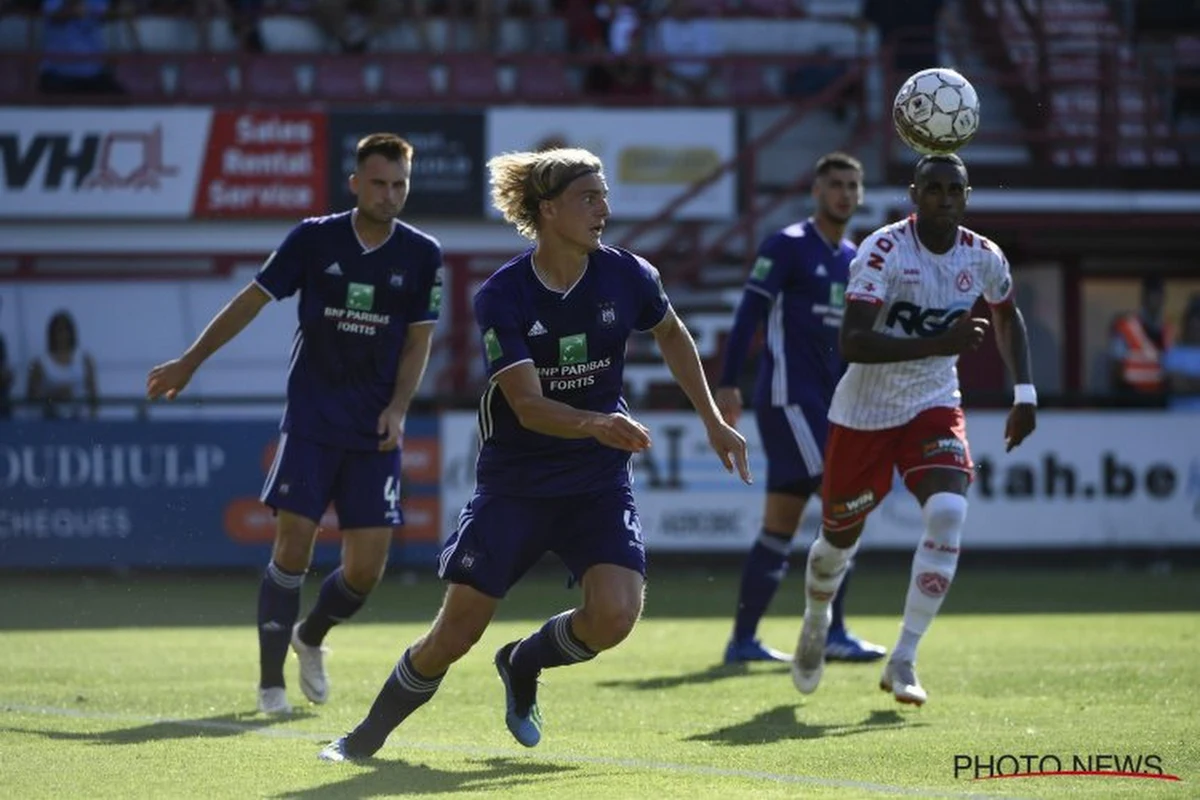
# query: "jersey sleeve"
282,274
652,297
502,337
425,301
871,270
769,272
997,278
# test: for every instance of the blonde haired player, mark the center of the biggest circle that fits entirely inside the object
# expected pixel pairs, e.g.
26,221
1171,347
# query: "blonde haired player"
907,319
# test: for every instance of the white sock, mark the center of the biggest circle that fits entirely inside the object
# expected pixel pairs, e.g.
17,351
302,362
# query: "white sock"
933,568
823,574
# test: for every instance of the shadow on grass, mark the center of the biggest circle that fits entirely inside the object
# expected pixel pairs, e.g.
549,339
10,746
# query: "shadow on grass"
780,724
716,672
388,778
233,724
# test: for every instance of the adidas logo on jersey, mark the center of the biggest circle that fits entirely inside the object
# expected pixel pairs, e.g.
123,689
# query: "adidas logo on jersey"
333,269
537,329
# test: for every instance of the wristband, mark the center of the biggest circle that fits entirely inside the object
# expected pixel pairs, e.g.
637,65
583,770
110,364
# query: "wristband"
1024,394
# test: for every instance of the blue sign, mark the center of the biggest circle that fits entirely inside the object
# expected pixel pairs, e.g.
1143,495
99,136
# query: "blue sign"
147,494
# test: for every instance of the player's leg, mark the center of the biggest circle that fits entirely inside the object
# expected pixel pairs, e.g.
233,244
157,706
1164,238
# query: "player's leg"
599,538
858,467
464,616
840,643
297,488
936,465
366,495
763,571
793,450
495,543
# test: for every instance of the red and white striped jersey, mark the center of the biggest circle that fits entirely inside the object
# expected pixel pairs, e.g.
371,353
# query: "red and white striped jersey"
919,293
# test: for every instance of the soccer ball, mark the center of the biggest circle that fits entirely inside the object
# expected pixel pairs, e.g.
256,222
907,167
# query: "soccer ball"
936,111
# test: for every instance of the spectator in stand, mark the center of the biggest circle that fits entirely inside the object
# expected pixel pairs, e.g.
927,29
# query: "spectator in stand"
1182,361
625,34
73,39
243,18
1136,345
915,22
689,40
63,382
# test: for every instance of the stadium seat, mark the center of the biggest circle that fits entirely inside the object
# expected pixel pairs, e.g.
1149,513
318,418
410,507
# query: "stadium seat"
343,78
408,78
746,80
207,78
292,34
276,78
544,80
16,79
473,78
142,78
15,33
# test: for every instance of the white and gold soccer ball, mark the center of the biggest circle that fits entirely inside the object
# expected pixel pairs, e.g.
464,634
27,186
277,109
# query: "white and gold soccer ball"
936,111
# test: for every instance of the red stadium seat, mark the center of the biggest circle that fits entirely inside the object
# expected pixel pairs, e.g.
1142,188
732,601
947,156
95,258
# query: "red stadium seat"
273,77
408,78
474,78
544,80
206,77
341,78
17,79
142,79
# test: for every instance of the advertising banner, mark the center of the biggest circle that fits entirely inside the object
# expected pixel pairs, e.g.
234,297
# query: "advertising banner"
448,160
161,163
171,494
101,162
650,157
1086,479
264,164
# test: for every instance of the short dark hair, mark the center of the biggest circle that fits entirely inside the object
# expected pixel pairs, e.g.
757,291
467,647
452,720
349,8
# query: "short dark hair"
836,160
939,158
388,145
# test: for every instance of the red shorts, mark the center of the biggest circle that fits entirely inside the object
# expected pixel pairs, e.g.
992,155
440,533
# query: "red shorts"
858,464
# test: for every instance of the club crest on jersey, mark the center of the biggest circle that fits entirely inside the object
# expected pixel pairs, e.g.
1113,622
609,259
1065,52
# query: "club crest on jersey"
572,349
360,296
608,313
396,280
963,281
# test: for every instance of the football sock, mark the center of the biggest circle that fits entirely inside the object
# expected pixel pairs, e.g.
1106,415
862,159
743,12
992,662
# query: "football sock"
765,567
838,626
403,692
336,603
933,568
823,574
278,608
552,645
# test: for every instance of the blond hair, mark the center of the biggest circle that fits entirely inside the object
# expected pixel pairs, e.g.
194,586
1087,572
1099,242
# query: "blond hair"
520,181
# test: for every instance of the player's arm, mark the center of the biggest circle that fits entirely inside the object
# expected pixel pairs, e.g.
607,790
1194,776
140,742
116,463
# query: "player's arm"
860,343
523,390
414,358
751,311
169,379
1012,340
678,350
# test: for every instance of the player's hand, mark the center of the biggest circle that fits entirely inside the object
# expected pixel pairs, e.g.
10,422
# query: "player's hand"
621,432
169,379
1022,419
730,447
965,335
390,428
729,403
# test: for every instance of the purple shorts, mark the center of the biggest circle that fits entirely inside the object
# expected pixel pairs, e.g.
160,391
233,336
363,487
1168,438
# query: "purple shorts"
794,443
363,485
499,538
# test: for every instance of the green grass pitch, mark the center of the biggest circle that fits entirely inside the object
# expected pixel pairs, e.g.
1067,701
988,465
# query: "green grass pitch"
144,687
